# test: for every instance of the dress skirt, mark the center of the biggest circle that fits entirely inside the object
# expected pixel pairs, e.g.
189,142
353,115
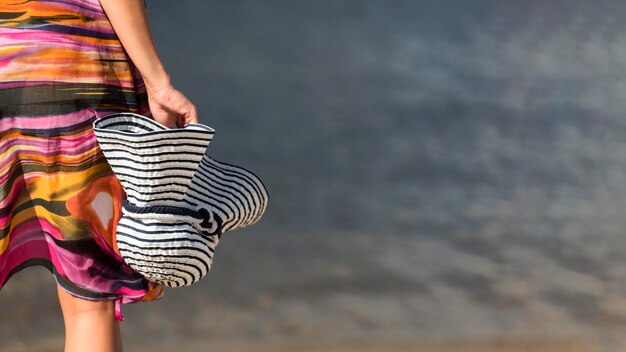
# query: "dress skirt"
61,67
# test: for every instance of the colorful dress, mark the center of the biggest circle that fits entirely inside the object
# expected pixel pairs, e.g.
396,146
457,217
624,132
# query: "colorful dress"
61,67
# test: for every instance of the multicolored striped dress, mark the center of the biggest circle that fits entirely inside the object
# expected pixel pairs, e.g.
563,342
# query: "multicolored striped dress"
61,67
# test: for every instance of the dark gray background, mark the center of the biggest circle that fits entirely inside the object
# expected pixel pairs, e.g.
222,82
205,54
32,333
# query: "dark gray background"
437,169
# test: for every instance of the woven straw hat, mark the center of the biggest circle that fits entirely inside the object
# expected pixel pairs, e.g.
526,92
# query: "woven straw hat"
179,200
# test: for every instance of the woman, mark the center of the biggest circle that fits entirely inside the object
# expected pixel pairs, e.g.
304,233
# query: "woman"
62,65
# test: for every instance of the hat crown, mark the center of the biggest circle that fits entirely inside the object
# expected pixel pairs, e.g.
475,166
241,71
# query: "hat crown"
154,164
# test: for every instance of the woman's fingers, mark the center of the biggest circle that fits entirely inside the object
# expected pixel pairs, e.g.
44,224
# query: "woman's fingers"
192,116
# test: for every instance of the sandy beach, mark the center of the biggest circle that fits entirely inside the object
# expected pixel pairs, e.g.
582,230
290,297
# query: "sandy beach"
502,344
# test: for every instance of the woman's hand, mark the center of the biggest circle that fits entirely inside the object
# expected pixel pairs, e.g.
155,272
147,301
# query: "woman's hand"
170,107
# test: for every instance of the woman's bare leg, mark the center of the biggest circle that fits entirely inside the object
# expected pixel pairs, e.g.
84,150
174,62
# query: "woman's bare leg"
89,325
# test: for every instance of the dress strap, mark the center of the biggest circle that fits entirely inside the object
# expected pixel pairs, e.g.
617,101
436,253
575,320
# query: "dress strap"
118,309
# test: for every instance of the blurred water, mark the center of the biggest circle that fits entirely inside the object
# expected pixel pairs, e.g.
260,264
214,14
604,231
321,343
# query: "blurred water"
443,168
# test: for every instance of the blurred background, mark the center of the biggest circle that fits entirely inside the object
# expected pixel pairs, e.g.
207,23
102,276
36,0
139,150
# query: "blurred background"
444,175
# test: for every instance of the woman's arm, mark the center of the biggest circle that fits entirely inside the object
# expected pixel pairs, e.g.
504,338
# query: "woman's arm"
129,20
168,106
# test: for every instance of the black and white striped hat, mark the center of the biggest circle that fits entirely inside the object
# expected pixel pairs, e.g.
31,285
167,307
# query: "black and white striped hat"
179,200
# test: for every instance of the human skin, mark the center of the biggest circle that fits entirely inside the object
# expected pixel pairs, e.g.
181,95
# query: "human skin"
91,325
129,21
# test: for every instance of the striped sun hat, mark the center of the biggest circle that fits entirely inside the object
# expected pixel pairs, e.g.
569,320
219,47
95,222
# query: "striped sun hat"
179,200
